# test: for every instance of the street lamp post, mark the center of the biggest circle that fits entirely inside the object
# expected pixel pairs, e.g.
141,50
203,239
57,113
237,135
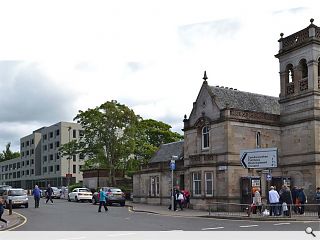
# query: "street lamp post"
172,166
69,157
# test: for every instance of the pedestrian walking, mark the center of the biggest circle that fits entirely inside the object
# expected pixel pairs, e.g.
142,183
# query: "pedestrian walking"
257,200
1,212
187,199
294,194
180,199
274,201
317,198
102,200
36,194
286,200
49,193
302,200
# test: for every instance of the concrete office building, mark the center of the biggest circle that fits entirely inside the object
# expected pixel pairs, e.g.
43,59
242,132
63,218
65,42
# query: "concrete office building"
40,162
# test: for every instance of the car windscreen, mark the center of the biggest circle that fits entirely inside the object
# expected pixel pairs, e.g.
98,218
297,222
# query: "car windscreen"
16,193
84,190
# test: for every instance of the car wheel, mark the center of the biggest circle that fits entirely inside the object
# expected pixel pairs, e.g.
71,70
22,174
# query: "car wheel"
76,199
122,204
69,200
26,205
90,201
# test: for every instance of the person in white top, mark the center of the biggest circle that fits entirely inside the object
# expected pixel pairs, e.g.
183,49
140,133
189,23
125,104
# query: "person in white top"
274,201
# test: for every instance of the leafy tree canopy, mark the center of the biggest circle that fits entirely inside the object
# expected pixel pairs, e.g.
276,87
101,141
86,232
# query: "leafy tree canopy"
7,154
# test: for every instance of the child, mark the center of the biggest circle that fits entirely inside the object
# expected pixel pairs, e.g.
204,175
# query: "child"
1,212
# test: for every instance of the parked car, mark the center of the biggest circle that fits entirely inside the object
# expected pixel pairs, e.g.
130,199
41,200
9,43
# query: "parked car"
80,194
56,192
3,188
18,197
114,195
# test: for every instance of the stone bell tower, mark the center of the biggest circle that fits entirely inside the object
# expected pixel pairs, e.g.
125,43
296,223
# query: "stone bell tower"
299,154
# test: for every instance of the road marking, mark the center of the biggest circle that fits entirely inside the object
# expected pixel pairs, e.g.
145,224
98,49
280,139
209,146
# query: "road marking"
212,228
24,222
277,224
247,226
120,234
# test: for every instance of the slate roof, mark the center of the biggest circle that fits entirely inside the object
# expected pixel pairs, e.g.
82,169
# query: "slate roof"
167,150
245,100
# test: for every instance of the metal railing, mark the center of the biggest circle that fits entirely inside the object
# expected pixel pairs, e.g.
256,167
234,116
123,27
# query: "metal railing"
221,209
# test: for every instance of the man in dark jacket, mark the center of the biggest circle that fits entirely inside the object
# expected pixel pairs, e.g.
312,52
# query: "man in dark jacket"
49,193
302,200
286,198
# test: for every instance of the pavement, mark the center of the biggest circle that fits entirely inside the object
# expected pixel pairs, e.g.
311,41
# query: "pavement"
14,220
163,210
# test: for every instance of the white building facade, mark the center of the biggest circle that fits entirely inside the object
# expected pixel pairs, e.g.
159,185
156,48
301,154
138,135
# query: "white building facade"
40,162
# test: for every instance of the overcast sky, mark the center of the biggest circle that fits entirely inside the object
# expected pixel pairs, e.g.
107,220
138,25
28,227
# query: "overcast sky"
58,58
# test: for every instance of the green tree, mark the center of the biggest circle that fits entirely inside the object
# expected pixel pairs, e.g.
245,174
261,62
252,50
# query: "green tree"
150,135
7,154
109,128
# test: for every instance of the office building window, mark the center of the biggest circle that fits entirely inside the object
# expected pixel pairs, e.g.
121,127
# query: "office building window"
22,154
74,133
22,163
18,174
57,168
10,167
81,133
14,166
51,145
32,171
57,156
196,186
74,157
22,144
27,172
32,151
14,175
22,173
44,137
51,168
45,147
51,134
57,132
258,140
74,168
81,156
18,165
27,143
32,141
27,153
51,157
27,162
45,158
57,144
44,169
32,161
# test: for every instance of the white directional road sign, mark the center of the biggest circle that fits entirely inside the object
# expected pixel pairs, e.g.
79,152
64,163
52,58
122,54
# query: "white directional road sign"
259,158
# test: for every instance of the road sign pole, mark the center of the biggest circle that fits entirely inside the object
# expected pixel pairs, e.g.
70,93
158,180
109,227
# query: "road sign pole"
172,166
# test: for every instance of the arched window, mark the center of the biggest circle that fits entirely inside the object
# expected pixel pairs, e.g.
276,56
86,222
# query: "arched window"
303,68
205,137
258,140
289,71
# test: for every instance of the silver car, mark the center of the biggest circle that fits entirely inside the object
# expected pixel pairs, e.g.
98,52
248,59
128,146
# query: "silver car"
18,197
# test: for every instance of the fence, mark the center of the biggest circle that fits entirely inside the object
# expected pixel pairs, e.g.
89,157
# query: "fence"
265,210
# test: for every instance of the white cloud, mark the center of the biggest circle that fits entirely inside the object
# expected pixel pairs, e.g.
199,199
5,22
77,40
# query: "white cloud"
149,55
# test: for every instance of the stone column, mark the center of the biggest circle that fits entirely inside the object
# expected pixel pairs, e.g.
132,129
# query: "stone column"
297,76
283,84
313,75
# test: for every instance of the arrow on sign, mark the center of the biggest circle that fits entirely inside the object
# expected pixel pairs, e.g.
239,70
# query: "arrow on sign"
242,160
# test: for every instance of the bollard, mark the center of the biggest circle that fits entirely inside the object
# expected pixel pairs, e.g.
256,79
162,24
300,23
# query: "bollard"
10,207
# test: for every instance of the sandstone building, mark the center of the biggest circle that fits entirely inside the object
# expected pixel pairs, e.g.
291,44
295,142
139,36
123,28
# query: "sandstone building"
224,121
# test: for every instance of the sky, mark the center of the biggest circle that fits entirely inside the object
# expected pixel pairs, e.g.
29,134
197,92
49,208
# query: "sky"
59,57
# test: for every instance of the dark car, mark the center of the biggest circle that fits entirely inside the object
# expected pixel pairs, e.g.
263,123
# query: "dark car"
114,195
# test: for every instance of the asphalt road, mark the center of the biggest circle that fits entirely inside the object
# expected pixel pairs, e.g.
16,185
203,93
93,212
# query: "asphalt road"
78,216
